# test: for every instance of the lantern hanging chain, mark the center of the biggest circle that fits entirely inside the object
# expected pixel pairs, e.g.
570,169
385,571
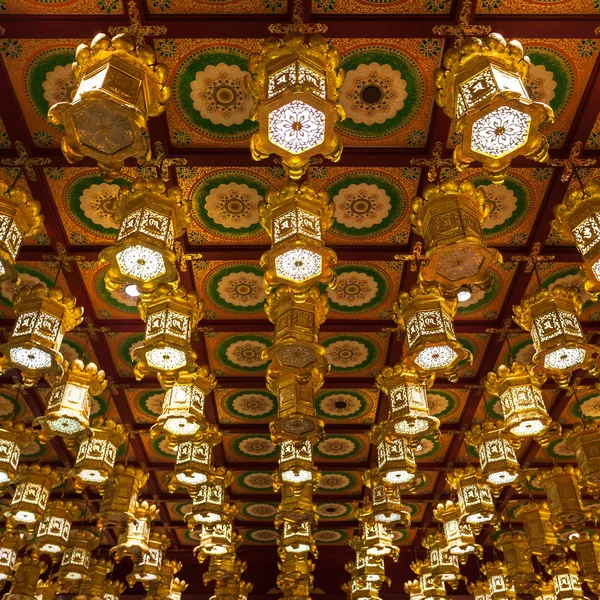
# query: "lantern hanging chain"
578,177
15,180
578,402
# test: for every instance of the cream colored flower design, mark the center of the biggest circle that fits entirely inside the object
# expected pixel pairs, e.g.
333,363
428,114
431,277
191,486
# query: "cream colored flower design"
31,449
561,449
360,206
68,352
154,403
220,95
264,535
333,481
336,446
95,407
241,289
7,406
346,354
541,83
259,481
339,405
261,511
425,446
233,205
253,405
121,297
8,288
353,289
256,446
246,353
437,403
591,407
327,536
525,354
99,203
59,84
573,280
505,204
373,93
477,294
165,448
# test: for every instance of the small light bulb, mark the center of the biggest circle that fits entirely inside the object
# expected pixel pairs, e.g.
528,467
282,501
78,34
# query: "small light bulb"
464,294
131,290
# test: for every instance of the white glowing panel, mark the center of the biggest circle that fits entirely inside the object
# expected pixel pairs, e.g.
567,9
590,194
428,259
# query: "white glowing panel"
297,127
141,263
500,132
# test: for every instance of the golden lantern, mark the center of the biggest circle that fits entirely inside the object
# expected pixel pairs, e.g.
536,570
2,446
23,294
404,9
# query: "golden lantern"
517,560
552,318
523,407
443,565
378,540
544,591
413,589
296,500
296,577
480,590
386,505
217,538
182,416
499,585
120,86
150,218
26,577
578,221
296,462
54,528
75,564
20,217
97,454
460,540
176,588
499,464
168,570
49,589
561,485
395,458
93,588
482,88
148,567
10,543
43,317
295,82
409,412
584,441
539,529
193,465
133,541
120,497
426,317
474,497
68,410
31,494
449,217
113,589
297,537
565,578
432,588
13,438
587,547
209,502
366,567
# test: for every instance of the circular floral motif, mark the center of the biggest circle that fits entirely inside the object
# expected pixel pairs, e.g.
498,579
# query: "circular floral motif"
504,205
150,402
350,354
480,299
558,449
72,351
524,352
358,289
251,404
328,536
261,446
242,289
427,446
99,204
262,535
117,298
260,510
570,278
257,481
244,353
98,409
441,403
541,83
193,535
399,535
373,93
29,277
337,446
361,206
128,345
182,509
59,84
8,406
33,450
336,481
161,446
341,405
551,77
331,510
588,405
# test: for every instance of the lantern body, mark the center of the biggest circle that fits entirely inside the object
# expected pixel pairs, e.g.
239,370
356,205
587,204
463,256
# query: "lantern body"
75,564
378,539
517,560
148,567
460,540
216,538
386,505
297,537
395,458
561,485
565,579
588,556
432,588
474,497
10,544
133,541
539,529
296,461
120,86
584,441
13,437
443,565
208,504
54,528
119,499
480,590
26,578
192,466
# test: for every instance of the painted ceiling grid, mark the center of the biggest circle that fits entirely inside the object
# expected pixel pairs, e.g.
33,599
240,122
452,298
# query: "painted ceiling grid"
391,44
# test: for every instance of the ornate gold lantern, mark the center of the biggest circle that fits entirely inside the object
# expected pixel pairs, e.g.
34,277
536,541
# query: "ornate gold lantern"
499,585
295,82
539,529
443,565
68,410
113,589
297,537
217,538
544,591
460,540
11,542
75,564
481,87
209,503
150,218
432,588
552,318
426,317
31,494
43,317
148,567
13,438
93,588
409,412
499,464
584,441
120,497
561,485
133,541
20,217
517,560
97,454
474,497
413,589
378,539
480,590
395,458
366,567
386,505
565,579
449,217
296,577
49,589
296,462
120,86
54,528
523,407
296,500
182,416
587,546
168,570
26,577
171,316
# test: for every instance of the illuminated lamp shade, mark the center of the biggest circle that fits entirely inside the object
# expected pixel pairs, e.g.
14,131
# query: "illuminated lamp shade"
432,588
409,412
182,417
359,589
209,502
20,217
170,315
562,487
460,540
13,438
296,462
517,560
10,543
148,568
565,579
49,589
97,454
32,491
499,464
150,218
366,567
26,577
426,317
217,538
295,82
54,528
395,458
75,564
68,410
523,408
539,529
413,589
499,584
386,505
120,85
443,565
297,537
584,441
113,588
480,590
133,541
449,217
552,318
474,497
94,586
378,539
120,495
587,547
43,317
482,88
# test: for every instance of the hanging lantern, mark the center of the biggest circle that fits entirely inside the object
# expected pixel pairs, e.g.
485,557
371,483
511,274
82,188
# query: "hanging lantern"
413,589
176,588
182,416
395,458
120,498
449,217
296,462
426,317
561,485
20,217
120,86
97,454
584,441
150,219
296,500
295,578
75,562
168,570
113,589
296,82
409,412
193,465
482,88
297,537
386,505
539,529
367,567
31,494
378,539
68,411
93,588
443,565
133,541
10,543
587,546
459,537
49,589
552,318
523,407
565,579
480,590
54,528
217,538
43,317
499,464
149,565
544,591
209,503
517,560
432,588
27,574
498,582
13,438
474,497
